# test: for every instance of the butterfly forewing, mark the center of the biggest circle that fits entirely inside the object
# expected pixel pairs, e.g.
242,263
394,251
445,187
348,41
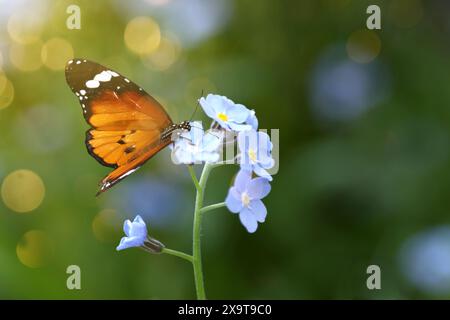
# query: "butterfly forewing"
126,121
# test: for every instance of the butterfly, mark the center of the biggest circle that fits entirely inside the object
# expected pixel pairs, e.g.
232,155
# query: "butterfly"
128,126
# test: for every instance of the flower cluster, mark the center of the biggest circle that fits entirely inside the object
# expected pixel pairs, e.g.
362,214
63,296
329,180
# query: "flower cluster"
255,156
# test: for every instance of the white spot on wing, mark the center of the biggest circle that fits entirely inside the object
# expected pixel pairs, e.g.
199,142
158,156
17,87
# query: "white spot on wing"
126,80
82,92
103,76
114,74
92,84
78,62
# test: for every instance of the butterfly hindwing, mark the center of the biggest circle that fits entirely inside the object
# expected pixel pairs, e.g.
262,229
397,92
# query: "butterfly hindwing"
126,121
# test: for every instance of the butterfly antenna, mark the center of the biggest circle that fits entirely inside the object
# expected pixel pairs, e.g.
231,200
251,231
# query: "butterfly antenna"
196,107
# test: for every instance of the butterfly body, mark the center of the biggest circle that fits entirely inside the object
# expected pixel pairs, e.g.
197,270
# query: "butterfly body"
128,126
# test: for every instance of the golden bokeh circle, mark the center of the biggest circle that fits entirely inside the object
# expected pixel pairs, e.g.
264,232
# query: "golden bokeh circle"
24,27
34,249
6,91
22,190
363,46
142,35
56,52
165,56
106,225
26,57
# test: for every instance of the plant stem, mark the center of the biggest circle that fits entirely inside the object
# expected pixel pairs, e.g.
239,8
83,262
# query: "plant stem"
179,254
212,207
193,177
196,232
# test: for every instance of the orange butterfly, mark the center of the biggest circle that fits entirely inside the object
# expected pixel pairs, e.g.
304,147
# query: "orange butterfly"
128,125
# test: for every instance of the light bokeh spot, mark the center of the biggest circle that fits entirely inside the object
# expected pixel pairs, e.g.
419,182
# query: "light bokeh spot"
56,52
142,35
6,91
34,249
106,226
26,57
363,46
25,27
22,190
165,56
157,2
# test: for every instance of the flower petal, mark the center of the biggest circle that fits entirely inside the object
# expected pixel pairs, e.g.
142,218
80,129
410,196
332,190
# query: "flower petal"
262,172
239,127
138,219
258,188
210,157
264,142
266,162
237,113
207,106
247,140
248,220
223,124
196,133
252,120
211,142
138,228
242,179
259,210
233,201
129,242
127,227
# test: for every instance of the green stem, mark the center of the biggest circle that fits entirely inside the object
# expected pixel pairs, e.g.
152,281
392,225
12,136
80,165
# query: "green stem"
212,207
194,177
179,254
196,232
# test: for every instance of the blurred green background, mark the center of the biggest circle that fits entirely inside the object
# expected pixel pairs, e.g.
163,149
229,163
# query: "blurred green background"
364,176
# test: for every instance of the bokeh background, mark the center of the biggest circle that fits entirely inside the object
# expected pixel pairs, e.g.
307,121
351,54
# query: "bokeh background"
364,176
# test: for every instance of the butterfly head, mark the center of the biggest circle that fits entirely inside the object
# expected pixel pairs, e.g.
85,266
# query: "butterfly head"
185,125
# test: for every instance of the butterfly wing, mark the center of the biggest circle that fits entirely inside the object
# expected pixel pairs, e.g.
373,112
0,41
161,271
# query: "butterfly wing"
126,121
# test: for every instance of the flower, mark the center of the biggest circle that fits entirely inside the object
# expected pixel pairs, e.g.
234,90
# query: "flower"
136,233
197,146
256,152
252,120
245,198
229,115
136,236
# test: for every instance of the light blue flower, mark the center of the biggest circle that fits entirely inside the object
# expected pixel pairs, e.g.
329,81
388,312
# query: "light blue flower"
197,146
244,197
136,234
256,152
252,120
230,116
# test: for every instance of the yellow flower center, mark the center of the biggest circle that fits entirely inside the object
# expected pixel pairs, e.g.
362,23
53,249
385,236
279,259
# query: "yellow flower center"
222,116
245,199
252,155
